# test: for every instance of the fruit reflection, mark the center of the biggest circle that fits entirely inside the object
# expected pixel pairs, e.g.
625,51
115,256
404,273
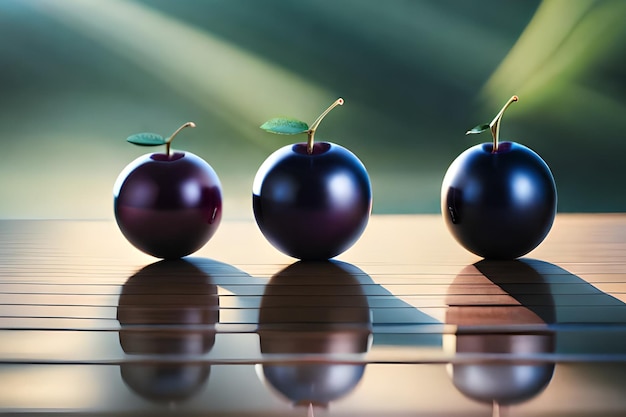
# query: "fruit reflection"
516,295
181,297
314,308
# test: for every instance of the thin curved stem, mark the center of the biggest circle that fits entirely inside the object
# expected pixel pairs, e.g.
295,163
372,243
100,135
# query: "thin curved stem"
316,123
169,140
495,123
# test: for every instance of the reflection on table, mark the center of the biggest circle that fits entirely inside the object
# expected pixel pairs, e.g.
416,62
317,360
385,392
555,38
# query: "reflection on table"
405,324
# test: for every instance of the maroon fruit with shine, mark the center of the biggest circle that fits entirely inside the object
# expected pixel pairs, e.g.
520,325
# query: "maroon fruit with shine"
167,205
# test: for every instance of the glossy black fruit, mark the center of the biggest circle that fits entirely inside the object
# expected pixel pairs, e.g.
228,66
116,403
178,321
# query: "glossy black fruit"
499,204
498,199
312,206
311,200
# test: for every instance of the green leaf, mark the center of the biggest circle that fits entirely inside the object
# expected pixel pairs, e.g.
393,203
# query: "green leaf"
478,129
285,126
146,139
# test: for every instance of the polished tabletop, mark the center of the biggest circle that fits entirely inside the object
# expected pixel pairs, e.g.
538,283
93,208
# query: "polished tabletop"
405,323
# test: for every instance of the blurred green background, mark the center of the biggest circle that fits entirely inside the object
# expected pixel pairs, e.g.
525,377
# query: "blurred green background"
78,77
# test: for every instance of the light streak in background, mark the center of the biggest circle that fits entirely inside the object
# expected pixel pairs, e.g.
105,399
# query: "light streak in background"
563,42
230,83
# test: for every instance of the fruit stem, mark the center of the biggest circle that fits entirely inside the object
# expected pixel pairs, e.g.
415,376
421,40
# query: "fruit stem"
169,140
316,123
495,409
495,123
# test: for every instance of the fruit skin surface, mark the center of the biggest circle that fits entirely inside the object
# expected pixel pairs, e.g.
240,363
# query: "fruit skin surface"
499,205
312,206
168,206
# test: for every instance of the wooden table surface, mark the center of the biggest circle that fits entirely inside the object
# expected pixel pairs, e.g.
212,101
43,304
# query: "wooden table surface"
405,323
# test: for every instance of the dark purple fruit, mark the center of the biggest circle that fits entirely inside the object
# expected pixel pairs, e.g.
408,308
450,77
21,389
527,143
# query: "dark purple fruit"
498,200
168,205
312,201
312,206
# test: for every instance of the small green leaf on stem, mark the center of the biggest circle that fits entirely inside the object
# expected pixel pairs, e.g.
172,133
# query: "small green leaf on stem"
478,129
146,139
285,126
